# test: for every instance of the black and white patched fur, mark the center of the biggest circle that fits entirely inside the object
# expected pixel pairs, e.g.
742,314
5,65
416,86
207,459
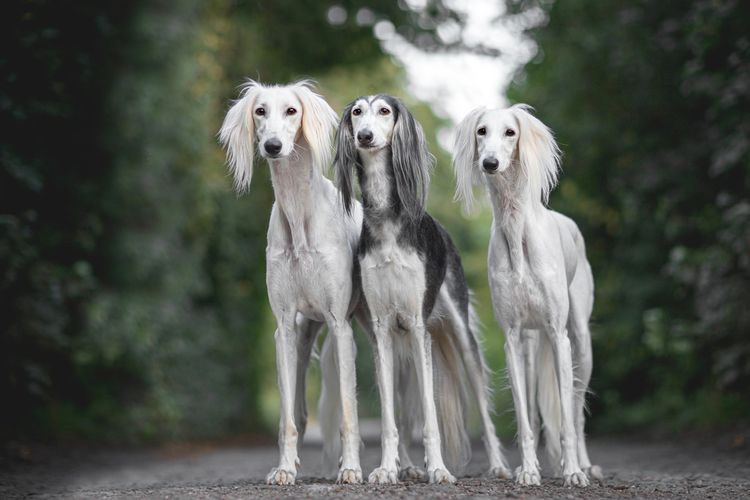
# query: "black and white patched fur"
417,295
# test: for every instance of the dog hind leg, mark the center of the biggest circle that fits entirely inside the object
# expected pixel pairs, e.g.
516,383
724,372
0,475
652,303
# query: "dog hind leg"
308,332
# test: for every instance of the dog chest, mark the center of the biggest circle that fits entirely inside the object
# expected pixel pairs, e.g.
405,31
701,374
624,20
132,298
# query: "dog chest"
393,279
519,298
310,280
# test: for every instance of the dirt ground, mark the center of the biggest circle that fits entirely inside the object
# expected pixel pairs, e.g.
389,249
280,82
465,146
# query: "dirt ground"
716,468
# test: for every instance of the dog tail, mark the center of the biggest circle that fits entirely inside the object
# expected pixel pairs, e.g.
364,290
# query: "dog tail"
548,397
450,387
329,405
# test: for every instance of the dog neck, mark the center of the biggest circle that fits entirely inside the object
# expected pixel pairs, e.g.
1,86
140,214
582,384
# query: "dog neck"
298,187
513,210
379,195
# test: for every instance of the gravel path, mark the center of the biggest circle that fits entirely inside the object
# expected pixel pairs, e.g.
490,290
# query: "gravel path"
717,469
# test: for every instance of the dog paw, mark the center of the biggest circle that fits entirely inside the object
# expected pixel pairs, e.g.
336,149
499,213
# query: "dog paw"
382,475
594,472
412,473
349,476
281,476
577,478
441,476
499,473
528,476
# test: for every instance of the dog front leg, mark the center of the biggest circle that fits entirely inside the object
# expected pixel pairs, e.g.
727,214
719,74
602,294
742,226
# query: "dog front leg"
286,365
528,473
572,472
530,352
350,471
422,347
387,473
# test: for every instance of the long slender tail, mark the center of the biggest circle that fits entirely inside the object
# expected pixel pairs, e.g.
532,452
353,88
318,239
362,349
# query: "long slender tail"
548,397
329,405
450,388
308,332
408,414
474,360
475,351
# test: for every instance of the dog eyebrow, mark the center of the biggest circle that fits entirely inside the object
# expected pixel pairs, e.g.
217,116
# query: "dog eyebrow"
380,98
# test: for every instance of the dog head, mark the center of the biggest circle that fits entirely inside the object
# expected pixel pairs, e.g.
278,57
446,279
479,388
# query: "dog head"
377,125
282,121
498,144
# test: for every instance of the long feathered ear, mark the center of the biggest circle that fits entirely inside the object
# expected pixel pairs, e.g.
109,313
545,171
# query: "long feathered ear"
318,121
237,135
464,158
411,161
346,158
538,152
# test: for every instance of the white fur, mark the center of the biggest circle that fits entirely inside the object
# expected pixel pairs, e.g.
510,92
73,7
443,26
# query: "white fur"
540,281
377,117
531,148
310,252
243,128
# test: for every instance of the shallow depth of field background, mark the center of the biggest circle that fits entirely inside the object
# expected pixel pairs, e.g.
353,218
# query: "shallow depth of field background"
132,294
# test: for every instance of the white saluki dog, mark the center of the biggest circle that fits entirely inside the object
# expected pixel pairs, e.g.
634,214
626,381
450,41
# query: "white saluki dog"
414,285
540,281
310,254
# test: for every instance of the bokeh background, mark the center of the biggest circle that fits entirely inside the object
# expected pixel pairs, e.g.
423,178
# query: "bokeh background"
132,298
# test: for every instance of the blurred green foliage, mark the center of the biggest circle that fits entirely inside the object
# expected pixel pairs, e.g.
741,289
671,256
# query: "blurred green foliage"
651,104
132,291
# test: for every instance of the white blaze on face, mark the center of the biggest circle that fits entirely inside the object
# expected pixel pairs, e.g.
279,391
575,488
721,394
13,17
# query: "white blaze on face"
277,116
372,115
497,136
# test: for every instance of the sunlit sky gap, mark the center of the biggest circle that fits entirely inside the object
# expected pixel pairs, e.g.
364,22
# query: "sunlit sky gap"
455,83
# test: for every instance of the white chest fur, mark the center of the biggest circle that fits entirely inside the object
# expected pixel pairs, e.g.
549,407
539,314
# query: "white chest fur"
393,277
378,185
527,277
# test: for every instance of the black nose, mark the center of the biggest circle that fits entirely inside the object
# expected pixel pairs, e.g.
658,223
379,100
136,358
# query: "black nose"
364,137
490,164
272,146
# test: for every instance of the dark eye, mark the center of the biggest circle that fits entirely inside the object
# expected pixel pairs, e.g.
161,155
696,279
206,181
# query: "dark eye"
384,111
356,111
482,131
510,132
260,111
291,111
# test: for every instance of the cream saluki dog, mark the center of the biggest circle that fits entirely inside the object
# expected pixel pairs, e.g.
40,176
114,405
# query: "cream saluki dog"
540,281
414,285
310,253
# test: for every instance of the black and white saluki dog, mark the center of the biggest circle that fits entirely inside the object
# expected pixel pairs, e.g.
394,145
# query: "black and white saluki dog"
540,280
310,258
414,285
